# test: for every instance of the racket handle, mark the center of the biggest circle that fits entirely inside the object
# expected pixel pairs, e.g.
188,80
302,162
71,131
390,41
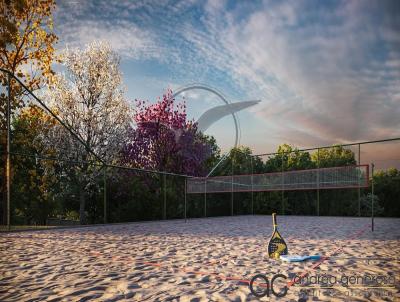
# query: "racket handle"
274,219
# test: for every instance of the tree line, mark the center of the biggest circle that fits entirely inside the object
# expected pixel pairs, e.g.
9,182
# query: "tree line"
332,202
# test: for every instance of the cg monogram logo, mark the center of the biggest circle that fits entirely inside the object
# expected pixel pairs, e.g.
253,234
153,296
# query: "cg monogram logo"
260,286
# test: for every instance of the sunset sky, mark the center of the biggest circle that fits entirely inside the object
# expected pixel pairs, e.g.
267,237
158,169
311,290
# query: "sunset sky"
326,71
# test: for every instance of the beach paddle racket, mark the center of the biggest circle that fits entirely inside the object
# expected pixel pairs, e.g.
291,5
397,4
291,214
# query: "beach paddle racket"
276,246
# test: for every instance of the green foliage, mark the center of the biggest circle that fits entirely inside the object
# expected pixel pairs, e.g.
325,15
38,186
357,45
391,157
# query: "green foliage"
289,158
210,141
71,215
366,205
240,159
335,156
33,179
387,188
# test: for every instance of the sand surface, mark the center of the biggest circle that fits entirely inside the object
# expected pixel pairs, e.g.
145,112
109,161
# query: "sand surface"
201,260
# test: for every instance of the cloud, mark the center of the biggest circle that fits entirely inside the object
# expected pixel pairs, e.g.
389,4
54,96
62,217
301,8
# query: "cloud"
78,23
126,38
326,72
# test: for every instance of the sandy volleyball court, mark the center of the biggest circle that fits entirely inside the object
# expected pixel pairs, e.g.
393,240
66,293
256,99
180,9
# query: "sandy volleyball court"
201,260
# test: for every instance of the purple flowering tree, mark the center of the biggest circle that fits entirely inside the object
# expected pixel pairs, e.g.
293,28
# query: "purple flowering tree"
164,140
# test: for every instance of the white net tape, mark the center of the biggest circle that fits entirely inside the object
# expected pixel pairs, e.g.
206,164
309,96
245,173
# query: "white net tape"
323,178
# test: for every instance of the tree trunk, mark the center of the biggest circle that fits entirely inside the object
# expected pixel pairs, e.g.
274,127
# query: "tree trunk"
82,216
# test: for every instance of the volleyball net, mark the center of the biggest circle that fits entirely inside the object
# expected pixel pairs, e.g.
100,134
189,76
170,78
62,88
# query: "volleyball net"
311,179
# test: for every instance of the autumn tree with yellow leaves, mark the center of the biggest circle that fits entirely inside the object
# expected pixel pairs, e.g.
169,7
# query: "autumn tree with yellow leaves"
27,40
27,50
26,47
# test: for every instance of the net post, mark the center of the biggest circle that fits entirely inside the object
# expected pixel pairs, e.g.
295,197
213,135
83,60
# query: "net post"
283,187
359,189
252,185
185,206
165,197
232,184
318,182
8,159
373,196
105,192
205,197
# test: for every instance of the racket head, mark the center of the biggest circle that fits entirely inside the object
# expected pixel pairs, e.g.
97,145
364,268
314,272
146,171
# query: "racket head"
277,246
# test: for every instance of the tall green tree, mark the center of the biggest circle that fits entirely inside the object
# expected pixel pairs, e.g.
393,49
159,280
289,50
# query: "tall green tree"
335,156
215,154
338,201
34,180
289,158
387,188
242,161
239,161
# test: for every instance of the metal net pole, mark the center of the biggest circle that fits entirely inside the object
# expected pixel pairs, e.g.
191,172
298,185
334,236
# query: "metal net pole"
318,182
252,186
165,197
185,206
105,193
283,187
205,197
8,160
373,196
232,186
359,189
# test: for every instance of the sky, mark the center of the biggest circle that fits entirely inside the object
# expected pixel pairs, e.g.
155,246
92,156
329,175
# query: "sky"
326,72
